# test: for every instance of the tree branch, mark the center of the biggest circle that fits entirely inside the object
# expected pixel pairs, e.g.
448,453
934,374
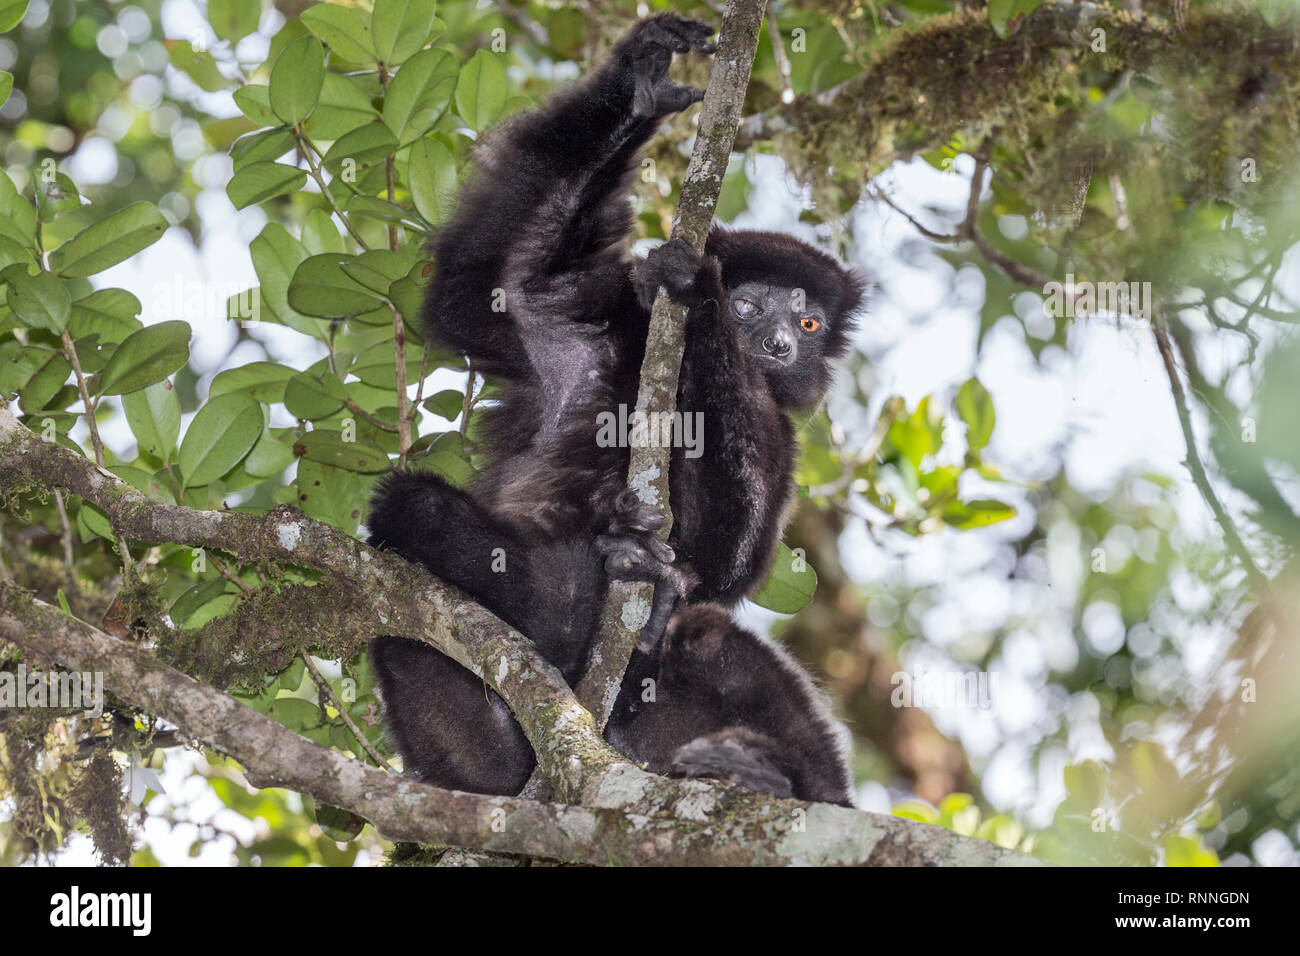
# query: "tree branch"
678,823
626,815
627,604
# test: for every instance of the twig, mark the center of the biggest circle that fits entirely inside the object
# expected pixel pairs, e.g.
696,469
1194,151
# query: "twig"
782,61
305,147
366,416
1257,578
230,576
868,452
467,406
66,538
324,687
70,352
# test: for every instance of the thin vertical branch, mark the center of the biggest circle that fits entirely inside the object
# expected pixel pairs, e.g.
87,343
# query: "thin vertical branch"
70,352
323,685
627,604
1257,577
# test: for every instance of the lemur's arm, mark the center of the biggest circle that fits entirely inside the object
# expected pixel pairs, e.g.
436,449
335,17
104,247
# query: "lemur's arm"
544,220
728,502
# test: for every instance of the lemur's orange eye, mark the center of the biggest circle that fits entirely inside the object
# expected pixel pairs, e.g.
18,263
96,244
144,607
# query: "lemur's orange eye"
809,324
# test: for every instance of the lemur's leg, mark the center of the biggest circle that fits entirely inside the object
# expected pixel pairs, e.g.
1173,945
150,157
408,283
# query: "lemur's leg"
718,701
451,729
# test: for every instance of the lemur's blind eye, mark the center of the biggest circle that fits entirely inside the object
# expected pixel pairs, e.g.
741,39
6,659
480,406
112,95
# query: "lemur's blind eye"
809,324
744,307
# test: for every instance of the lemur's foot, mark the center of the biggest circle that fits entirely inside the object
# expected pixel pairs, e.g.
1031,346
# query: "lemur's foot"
677,266
633,552
646,52
736,756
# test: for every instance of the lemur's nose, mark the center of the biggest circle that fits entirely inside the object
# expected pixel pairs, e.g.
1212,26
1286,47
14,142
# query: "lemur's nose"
777,344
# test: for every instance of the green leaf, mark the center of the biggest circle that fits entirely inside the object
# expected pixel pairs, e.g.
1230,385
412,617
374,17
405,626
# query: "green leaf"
320,287
481,91
1188,851
6,86
221,434
378,269
1003,12
329,494
431,176
258,182
975,408
154,414
12,253
92,522
339,825
113,239
295,713
329,448
234,19
377,366
916,435
320,235
39,301
108,313
915,810
45,383
264,146
145,357
198,65
448,403
264,381
311,395
420,94
790,585
400,27
296,80
276,255
448,457
145,483
367,146
372,207
977,514
342,30
11,14
254,101
17,215
59,194
269,456
343,107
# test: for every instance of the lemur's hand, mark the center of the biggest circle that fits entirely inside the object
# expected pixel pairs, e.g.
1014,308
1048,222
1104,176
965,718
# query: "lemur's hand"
645,53
677,267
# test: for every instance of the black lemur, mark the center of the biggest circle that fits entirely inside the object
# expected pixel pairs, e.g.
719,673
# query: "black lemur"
534,284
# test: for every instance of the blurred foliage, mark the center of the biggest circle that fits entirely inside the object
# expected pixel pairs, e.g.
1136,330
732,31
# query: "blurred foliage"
1162,159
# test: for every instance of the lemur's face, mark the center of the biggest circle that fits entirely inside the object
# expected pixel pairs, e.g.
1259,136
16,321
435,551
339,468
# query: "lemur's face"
784,331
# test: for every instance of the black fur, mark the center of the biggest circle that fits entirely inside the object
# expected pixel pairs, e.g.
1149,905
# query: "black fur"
543,226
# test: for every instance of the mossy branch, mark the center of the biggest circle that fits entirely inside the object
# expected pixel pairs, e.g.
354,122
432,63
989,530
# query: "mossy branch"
630,818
